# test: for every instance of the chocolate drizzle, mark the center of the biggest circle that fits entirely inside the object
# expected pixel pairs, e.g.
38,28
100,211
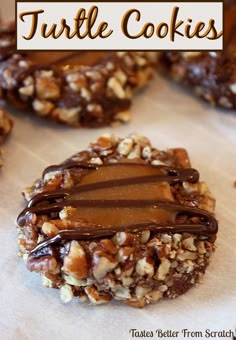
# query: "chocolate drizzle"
183,174
49,202
35,205
207,227
68,165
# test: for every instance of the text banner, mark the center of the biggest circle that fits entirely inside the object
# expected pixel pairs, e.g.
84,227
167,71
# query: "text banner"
119,25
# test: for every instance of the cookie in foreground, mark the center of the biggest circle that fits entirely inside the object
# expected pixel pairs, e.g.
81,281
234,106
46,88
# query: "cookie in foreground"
121,220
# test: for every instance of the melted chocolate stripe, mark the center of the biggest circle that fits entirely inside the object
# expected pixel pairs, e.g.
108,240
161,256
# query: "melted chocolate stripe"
173,177
209,219
94,232
172,171
45,196
69,165
54,201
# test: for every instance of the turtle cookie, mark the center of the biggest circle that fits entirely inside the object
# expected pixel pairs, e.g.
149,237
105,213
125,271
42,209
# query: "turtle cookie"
79,89
121,220
212,75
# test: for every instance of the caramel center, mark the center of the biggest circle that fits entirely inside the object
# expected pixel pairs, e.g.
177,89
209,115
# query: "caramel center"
120,195
65,58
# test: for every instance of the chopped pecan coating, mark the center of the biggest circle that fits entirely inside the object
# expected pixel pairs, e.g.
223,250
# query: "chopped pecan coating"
93,93
87,249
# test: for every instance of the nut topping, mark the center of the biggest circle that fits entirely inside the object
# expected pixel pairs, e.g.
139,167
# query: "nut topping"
75,263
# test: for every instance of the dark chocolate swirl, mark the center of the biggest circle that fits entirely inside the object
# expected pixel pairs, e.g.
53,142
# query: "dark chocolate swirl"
207,227
171,175
49,202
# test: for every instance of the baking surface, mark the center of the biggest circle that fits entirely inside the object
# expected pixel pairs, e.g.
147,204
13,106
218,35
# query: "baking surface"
170,117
